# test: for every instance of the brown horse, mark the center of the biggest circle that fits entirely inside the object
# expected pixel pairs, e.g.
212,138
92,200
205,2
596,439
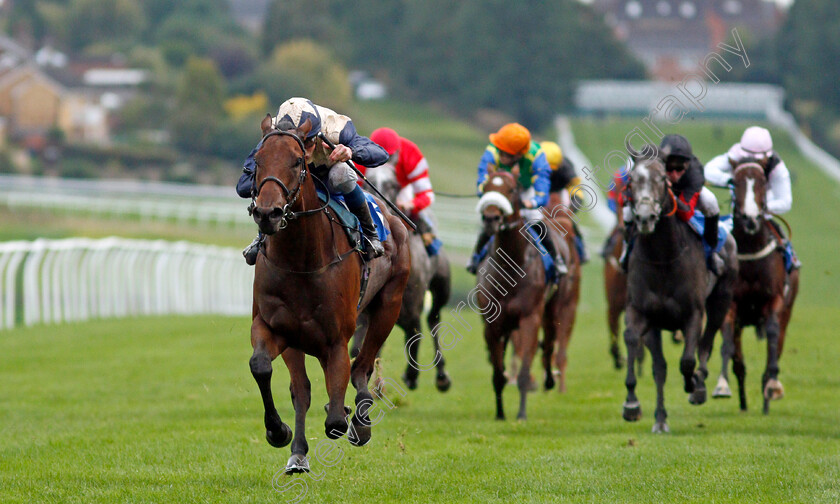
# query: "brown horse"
561,309
615,287
511,293
307,294
670,288
764,292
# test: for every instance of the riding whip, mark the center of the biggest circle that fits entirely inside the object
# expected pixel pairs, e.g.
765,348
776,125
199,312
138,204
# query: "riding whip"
391,205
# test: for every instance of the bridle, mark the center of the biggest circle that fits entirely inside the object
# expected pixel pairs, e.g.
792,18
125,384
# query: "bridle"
736,208
655,204
287,214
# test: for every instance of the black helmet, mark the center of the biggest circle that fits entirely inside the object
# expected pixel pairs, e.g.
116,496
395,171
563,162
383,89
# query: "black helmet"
676,146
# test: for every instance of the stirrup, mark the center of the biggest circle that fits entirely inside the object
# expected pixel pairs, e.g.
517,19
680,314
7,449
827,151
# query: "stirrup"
373,247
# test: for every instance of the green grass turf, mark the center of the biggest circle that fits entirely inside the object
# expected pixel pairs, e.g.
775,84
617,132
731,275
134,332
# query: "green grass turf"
165,409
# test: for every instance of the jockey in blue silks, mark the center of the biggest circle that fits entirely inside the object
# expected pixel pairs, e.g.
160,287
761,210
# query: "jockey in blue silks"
332,166
512,150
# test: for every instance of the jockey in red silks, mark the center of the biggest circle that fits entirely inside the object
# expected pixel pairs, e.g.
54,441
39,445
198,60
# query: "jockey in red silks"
412,172
757,145
685,175
324,163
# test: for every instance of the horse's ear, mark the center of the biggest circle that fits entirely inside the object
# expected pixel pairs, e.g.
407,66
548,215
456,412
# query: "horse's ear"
304,128
265,125
648,152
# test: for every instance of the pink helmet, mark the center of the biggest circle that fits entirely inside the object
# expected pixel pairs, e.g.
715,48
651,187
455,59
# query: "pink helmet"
387,138
756,141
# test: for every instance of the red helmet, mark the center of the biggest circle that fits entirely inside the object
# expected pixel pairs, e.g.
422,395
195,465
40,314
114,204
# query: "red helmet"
387,139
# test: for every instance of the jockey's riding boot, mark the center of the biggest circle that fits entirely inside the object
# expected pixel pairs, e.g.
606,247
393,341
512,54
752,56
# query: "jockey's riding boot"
475,258
579,243
253,249
626,247
560,267
373,247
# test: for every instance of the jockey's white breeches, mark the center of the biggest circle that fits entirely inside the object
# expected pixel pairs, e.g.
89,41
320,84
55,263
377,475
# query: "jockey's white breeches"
342,179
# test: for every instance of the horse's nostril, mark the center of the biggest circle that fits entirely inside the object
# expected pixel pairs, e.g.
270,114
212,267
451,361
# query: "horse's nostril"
276,213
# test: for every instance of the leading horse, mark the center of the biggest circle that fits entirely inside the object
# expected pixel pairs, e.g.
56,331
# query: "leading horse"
764,292
668,287
307,295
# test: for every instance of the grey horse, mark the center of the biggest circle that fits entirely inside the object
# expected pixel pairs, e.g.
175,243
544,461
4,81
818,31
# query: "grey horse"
670,288
428,274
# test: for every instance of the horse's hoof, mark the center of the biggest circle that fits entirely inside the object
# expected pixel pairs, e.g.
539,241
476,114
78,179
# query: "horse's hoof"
361,433
281,438
774,390
410,382
697,397
618,363
443,382
335,429
532,385
522,416
549,381
661,428
297,464
722,390
632,411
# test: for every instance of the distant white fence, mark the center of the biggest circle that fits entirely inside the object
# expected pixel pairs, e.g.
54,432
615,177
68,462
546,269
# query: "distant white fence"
184,203
55,281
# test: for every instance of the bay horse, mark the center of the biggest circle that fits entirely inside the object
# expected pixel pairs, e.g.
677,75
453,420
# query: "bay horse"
668,288
307,294
764,292
615,288
512,295
428,274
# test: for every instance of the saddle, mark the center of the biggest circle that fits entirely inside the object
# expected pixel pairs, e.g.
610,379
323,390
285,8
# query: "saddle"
348,220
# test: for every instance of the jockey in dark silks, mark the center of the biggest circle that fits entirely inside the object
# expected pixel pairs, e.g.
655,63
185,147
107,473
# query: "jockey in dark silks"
329,166
564,179
685,174
512,150
757,145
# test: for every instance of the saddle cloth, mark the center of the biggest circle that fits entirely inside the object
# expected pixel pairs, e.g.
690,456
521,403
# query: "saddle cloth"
350,221
548,261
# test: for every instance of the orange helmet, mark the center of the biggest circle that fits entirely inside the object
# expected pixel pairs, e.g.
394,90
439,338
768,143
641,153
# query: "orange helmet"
512,138
387,138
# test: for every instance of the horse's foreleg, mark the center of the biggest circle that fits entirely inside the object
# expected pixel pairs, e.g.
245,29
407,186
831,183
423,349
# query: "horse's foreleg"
301,391
266,349
442,380
771,386
550,331
529,339
738,366
727,350
496,342
688,361
660,372
635,328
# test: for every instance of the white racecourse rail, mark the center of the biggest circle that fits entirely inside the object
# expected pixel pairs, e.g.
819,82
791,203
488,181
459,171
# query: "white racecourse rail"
55,281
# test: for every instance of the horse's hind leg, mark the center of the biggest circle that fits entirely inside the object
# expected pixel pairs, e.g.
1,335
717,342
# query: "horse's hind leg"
384,310
727,350
738,367
548,343
440,288
336,366
412,341
301,391
266,349
660,373
529,331
688,361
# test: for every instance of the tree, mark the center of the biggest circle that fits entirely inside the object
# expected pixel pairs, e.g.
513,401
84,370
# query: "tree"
288,20
304,68
198,106
90,21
